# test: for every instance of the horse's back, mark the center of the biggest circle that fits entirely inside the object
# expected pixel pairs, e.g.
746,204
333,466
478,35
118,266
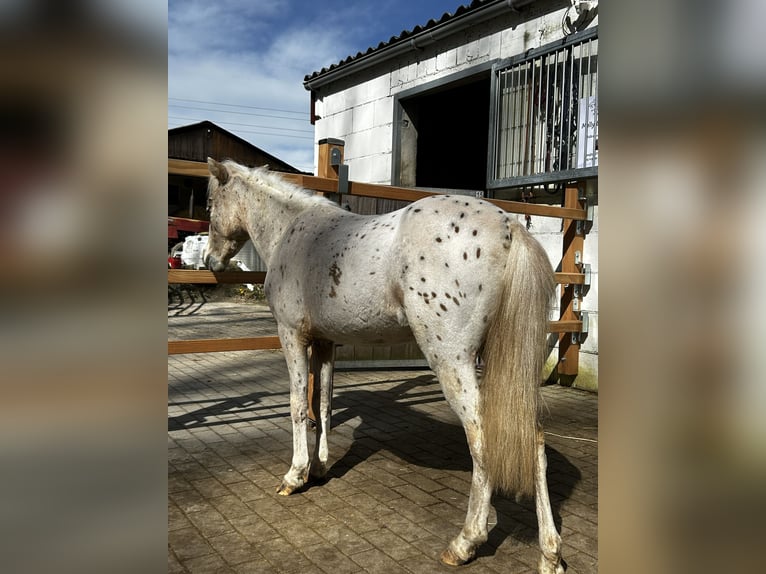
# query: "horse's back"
331,276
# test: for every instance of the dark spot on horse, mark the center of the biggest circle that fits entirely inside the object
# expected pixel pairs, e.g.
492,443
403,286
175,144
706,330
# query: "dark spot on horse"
372,272
465,255
448,296
462,215
484,319
423,279
438,338
335,273
457,229
474,232
457,283
333,294
480,287
422,258
433,295
454,299
457,357
438,240
438,314
412,288
446,264
442,306
478,252
417,210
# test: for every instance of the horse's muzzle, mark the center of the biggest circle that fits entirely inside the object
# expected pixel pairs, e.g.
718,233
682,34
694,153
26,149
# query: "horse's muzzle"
214,264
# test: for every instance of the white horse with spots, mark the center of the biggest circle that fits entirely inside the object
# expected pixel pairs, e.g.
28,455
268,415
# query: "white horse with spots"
454,273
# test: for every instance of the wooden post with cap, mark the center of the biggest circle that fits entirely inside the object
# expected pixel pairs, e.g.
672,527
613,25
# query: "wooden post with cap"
569,350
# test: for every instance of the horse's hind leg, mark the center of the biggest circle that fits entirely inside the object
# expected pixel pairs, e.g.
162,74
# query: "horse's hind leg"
461,390
322,356
297,365
550,541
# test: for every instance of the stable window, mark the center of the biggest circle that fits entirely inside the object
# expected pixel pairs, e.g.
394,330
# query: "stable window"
544,120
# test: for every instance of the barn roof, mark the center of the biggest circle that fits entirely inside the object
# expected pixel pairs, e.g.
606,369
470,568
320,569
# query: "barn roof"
274,161
464,16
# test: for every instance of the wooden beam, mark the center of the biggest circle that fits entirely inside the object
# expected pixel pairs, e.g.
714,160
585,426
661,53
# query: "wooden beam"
330,185
565,326
570,278
204,276
408,194
566,212
218,345
188,168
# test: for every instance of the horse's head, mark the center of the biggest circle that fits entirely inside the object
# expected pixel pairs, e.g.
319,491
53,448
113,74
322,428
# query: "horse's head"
227,231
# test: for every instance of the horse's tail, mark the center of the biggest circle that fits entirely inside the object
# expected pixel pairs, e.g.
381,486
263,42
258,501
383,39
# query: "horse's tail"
514,355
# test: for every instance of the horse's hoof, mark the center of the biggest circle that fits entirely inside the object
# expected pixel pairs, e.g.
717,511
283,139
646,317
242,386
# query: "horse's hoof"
449,558
551,567
286,489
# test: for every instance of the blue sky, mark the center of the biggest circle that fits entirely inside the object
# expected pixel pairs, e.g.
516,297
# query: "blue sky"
253,55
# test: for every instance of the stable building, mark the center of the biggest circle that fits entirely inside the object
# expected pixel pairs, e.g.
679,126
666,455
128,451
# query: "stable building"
498,99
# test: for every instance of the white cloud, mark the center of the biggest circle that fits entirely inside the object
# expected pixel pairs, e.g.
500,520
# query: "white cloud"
242,53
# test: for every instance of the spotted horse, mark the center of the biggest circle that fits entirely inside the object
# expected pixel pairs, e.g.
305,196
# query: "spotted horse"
454,273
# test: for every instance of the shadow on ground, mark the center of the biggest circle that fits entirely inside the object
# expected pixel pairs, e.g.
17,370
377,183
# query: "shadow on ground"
395,420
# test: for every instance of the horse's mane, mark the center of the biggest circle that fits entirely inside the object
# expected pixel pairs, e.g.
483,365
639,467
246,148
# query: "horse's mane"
272,179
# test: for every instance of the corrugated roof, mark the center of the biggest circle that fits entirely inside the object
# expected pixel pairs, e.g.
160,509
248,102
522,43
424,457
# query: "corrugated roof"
407,34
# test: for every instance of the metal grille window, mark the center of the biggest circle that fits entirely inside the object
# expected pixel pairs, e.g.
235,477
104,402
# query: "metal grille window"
544,116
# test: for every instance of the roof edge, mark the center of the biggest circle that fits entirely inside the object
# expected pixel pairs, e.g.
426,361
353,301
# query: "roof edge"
406,42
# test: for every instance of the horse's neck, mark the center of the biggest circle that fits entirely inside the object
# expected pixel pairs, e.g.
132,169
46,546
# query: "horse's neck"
270,213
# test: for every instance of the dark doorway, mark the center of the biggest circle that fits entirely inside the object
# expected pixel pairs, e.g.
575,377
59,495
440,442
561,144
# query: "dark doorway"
444,136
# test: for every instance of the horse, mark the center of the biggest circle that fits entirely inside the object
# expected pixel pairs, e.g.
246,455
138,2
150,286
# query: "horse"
454,273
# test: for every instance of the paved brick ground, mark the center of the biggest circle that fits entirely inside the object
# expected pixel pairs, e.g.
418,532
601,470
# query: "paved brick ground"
398,484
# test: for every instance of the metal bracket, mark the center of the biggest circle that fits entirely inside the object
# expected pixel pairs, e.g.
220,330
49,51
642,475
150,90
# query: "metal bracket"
342,179
578,338
581,227
335,161
578,257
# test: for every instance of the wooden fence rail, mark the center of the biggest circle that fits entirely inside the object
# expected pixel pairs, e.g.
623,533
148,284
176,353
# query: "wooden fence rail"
573,212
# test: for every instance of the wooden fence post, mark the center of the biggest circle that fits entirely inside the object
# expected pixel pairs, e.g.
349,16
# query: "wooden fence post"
325,167
569,351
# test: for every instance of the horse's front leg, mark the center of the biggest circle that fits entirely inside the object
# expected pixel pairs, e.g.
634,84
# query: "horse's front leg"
322,358
297,365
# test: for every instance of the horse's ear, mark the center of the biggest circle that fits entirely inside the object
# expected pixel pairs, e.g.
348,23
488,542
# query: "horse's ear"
218,170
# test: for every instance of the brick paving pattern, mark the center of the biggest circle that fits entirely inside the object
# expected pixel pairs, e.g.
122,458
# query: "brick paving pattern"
397,488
